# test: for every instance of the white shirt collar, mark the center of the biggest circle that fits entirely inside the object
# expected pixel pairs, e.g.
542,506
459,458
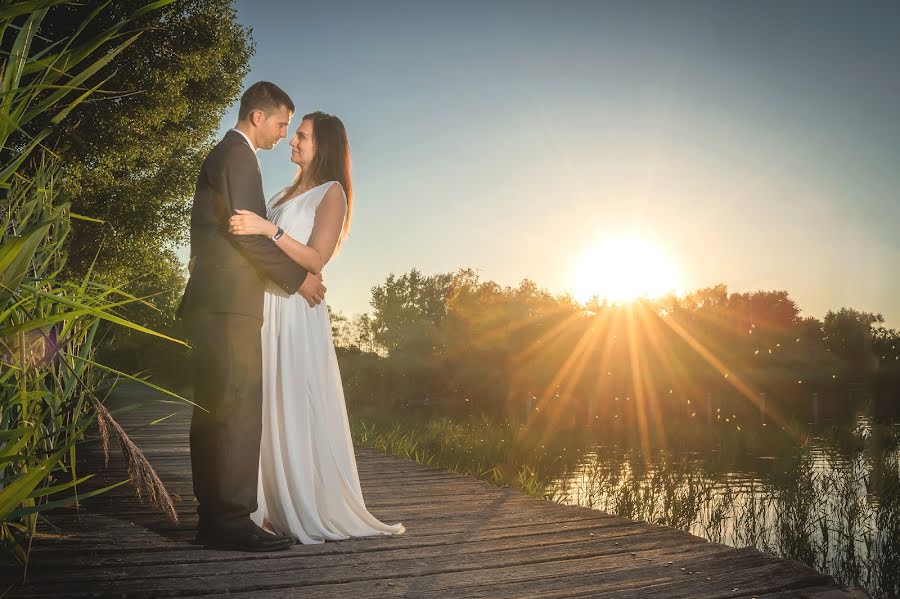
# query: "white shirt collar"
244,135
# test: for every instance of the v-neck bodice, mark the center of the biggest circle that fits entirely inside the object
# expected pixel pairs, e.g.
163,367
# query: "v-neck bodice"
297,215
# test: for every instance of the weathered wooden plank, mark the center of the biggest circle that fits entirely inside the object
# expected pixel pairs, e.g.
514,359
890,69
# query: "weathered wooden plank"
460,571
466,539
620,534
337,568
816,592
554,541
604,578
501,523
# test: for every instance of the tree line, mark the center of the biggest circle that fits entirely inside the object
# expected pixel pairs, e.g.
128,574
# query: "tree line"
457,341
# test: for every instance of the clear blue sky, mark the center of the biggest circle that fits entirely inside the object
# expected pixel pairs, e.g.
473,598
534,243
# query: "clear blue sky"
756,143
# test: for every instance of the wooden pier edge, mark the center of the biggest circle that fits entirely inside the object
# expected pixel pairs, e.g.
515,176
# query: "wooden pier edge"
465,538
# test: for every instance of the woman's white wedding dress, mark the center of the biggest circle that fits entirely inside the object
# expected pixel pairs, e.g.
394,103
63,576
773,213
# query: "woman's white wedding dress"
308,481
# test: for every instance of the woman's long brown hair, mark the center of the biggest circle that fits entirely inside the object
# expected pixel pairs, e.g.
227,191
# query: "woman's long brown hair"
332,160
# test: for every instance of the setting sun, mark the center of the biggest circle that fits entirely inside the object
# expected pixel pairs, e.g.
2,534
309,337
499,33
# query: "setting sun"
623,269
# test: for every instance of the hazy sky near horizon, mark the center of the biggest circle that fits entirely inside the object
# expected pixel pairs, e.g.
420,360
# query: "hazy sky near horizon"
756,144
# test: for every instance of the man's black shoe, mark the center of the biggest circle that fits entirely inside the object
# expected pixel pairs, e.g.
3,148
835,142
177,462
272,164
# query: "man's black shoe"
248,537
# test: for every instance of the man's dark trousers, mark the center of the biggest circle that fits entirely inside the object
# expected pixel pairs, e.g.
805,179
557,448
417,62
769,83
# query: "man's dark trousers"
227,364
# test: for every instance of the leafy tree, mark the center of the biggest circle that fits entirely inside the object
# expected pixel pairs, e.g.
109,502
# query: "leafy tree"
132,157
886,343
408,311
848,334
352,333
131,152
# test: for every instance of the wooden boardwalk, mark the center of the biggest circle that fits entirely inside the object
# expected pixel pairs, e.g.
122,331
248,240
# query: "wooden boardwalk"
465,538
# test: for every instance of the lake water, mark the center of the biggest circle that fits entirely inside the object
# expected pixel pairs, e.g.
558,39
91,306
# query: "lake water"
828,497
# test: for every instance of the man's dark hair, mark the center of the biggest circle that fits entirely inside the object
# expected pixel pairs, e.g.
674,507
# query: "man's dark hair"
264,96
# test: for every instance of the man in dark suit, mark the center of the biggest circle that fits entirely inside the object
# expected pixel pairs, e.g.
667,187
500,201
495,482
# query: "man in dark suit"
222,310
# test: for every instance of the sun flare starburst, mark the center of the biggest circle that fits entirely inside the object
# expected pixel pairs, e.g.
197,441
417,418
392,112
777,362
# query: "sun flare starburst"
624,269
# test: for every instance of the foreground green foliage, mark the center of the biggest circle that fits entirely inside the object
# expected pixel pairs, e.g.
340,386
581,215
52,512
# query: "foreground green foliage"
51,386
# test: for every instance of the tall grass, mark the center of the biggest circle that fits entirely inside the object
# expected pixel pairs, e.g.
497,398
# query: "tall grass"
51,388
478,447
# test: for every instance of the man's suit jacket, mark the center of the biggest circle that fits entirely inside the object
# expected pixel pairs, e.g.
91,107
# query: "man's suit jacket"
230,270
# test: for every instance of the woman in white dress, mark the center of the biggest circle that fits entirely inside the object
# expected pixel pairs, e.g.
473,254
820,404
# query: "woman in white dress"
308,482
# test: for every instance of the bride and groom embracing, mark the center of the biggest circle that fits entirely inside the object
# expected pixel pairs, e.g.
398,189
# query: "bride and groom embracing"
271,452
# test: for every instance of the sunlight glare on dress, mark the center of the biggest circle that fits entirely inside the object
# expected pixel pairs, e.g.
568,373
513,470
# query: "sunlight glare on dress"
623,269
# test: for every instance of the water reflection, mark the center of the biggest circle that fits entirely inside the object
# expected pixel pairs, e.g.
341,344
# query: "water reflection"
831,501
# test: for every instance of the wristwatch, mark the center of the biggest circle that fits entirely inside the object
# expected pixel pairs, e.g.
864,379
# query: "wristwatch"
278,233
